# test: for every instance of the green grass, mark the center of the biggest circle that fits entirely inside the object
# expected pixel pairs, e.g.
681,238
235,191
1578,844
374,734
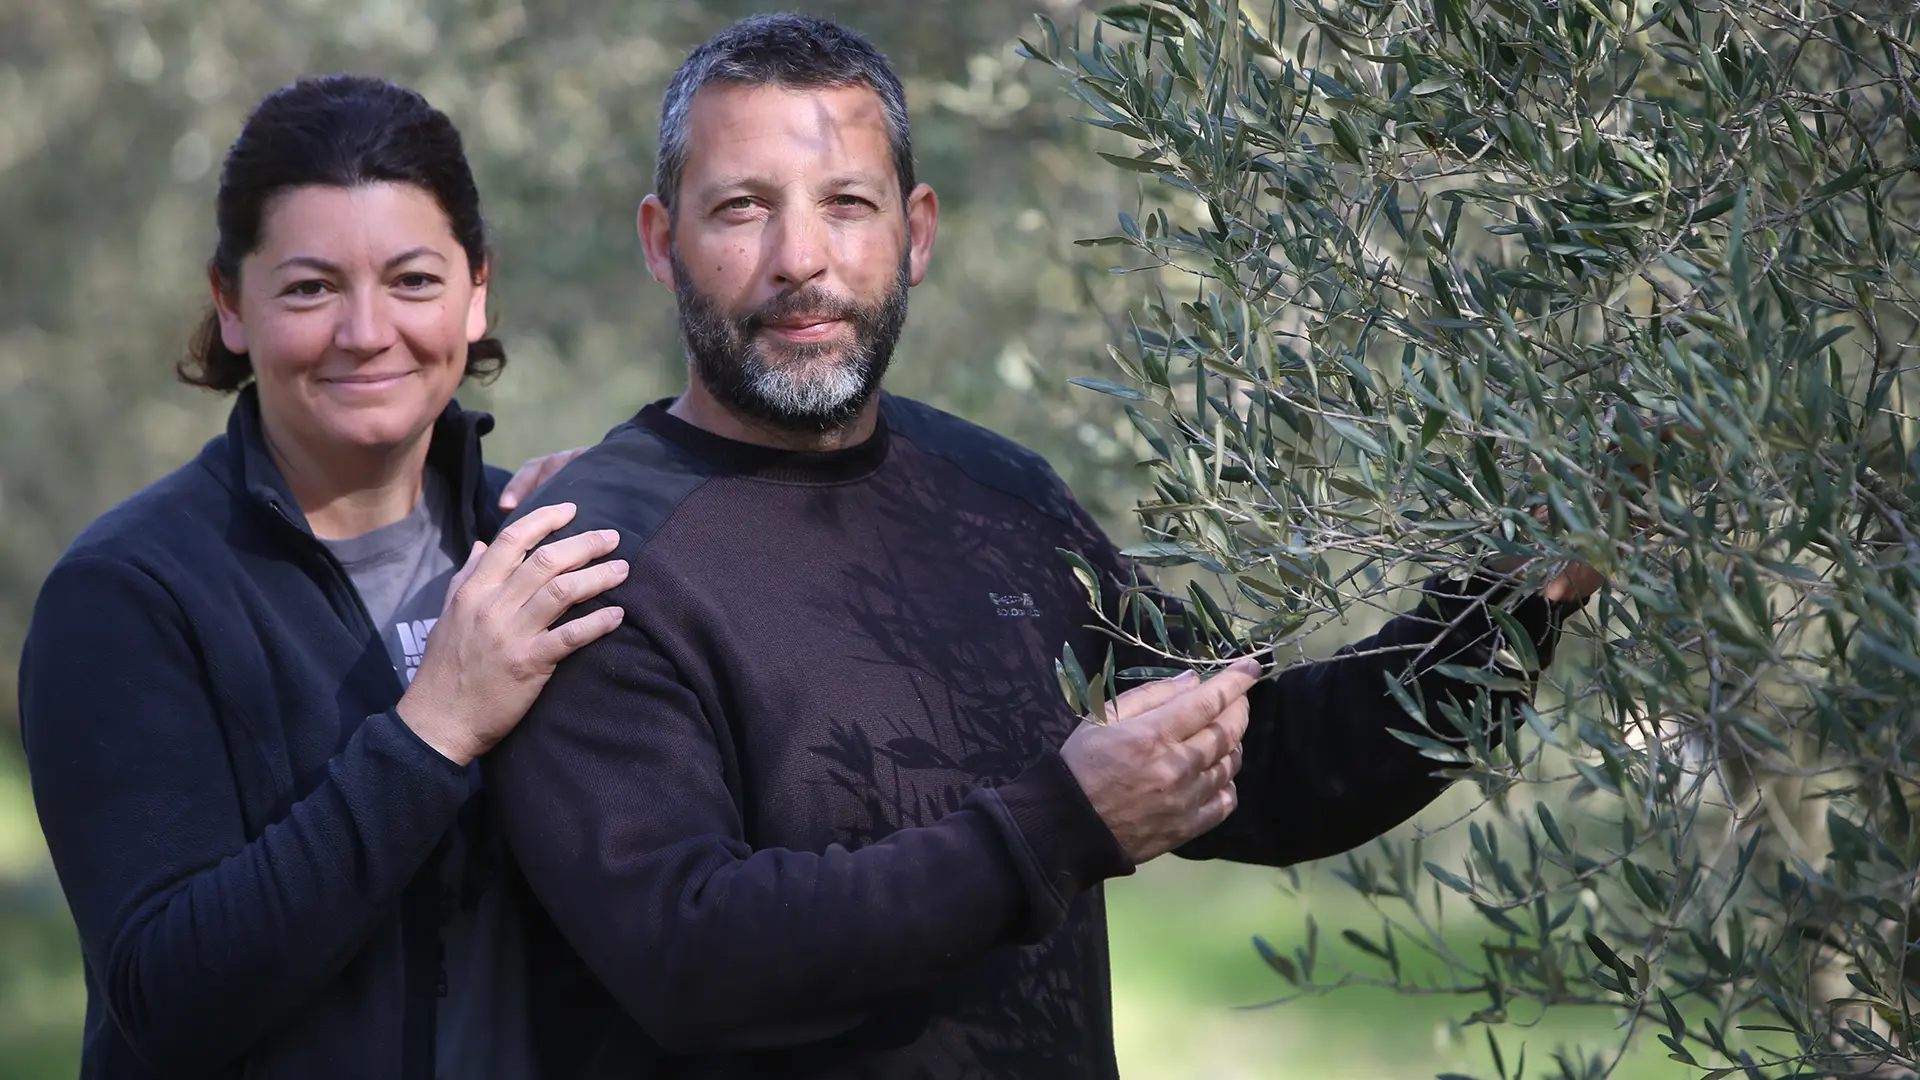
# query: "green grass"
42,998
1188,986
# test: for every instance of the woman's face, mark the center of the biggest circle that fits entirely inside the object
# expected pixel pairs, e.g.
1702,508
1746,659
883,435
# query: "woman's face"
356,312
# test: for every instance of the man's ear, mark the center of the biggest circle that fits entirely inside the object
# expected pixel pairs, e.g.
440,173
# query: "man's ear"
655,224
226,305
923,220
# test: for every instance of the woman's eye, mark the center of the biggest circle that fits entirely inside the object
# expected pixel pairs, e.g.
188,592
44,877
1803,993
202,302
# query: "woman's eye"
308,289
418,281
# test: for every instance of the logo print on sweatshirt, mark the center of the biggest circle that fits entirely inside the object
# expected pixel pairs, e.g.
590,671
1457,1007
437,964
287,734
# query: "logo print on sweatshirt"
1014,605
413,643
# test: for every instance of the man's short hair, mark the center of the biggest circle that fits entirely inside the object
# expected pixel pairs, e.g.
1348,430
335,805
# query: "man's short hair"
793,51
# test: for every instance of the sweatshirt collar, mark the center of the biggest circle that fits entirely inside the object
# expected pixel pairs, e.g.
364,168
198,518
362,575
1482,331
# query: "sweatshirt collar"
453,449
766,462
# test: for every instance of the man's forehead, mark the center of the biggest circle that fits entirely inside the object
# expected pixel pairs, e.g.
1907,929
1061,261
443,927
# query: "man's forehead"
733,116
729,93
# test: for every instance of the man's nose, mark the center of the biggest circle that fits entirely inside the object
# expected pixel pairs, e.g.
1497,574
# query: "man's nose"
366,327
799,249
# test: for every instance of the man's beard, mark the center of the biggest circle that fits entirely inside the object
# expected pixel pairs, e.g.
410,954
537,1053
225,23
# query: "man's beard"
791,390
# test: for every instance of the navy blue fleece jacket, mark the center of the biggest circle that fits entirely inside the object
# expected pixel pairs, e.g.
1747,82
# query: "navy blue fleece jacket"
243,827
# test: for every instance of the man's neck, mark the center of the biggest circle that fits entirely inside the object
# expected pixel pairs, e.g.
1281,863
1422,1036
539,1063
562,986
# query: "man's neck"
348,493
700,408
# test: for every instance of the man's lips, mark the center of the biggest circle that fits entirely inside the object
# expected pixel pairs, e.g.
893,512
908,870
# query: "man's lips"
805,328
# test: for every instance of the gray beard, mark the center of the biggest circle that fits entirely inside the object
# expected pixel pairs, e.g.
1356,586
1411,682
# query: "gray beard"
812,390
802,391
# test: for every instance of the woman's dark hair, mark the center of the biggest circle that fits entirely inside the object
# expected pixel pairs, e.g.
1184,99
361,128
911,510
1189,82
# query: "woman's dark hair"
336,131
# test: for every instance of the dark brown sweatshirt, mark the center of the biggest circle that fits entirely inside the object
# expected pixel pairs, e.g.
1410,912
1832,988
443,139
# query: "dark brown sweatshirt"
803,814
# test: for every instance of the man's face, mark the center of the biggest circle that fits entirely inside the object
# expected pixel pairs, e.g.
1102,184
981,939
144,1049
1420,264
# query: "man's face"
804,361
789,250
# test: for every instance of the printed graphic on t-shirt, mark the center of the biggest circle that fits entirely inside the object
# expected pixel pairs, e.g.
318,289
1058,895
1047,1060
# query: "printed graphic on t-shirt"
406,635
413,646
402,571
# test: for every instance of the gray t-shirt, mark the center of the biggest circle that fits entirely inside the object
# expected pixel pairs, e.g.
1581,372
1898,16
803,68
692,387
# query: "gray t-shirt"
402,572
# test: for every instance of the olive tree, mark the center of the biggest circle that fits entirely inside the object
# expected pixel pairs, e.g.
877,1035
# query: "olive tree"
1432,283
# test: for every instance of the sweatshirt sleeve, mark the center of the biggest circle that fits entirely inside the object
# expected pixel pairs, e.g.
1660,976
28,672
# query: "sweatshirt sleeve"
616,795
1322,771
201,939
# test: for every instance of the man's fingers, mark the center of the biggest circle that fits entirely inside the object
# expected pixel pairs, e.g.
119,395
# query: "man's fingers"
1149,696
1235,719
1212,779
1217,740
1574,584
1188,714
1224,736
1219,808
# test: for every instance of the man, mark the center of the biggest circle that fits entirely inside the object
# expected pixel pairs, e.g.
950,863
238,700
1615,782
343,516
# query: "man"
817,809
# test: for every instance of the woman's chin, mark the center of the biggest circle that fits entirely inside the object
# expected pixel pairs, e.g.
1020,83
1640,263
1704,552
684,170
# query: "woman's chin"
357,420
376,430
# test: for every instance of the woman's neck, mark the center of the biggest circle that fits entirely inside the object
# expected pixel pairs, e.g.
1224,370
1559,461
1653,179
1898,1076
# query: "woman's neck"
348,492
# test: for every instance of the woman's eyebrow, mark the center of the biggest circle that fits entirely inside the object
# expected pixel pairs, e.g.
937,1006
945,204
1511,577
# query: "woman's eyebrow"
325,267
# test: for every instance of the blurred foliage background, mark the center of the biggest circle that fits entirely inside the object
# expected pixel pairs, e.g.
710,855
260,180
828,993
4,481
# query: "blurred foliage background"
114,115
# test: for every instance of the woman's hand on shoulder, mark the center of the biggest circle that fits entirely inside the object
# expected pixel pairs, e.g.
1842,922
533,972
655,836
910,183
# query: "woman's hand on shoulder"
535,472
496,643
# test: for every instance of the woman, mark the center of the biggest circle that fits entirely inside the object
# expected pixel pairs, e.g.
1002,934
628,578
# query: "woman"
254,767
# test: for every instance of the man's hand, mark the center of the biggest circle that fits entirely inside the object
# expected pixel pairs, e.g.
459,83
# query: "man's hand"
1161,773
1577,581
1573,584
535,472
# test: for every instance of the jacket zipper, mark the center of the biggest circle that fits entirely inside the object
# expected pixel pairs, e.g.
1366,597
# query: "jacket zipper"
340,590
420,903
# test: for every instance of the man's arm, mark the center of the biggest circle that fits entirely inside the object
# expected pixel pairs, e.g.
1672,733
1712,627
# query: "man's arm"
616,797
1322,771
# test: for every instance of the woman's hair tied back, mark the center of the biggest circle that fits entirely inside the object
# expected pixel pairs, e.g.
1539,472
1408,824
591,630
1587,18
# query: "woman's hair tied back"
334,131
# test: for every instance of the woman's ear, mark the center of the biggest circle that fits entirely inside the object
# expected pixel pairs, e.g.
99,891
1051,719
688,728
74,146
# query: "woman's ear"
226,304
477,305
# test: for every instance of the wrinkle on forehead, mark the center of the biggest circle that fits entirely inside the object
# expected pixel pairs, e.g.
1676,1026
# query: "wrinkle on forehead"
739,132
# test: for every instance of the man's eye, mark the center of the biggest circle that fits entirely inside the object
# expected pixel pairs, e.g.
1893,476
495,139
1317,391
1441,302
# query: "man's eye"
744,202
851,202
